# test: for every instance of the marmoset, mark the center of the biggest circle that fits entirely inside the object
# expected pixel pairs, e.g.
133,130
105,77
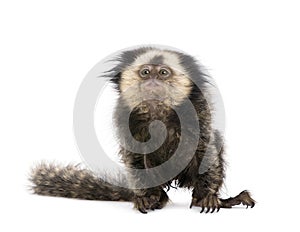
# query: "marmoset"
153,85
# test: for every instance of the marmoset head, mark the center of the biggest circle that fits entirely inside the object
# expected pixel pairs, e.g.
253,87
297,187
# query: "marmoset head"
152,74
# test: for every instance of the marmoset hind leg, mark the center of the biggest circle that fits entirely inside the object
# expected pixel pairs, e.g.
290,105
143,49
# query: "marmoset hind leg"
207,185
243,198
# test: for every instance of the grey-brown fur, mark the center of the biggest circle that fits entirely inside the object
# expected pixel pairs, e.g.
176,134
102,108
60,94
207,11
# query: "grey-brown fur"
74,182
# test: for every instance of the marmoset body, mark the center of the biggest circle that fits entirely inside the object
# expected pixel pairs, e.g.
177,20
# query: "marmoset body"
154,85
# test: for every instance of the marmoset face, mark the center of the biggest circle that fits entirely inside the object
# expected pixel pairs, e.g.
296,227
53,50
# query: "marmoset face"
159,82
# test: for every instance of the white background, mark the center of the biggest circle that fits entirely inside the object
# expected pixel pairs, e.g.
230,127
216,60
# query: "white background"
252,50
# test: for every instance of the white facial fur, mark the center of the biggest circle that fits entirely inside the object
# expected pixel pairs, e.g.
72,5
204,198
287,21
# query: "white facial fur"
176,88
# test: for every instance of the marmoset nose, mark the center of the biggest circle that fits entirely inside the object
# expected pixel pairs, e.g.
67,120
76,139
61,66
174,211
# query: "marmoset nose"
153,74
151,84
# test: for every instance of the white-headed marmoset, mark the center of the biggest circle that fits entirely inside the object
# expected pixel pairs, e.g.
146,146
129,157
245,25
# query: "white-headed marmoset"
153,84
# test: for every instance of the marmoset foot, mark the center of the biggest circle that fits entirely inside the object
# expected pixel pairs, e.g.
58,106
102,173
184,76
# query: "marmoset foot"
152,201
211,203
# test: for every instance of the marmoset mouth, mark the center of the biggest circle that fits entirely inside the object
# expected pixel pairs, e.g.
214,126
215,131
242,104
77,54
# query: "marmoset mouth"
153,88
152,84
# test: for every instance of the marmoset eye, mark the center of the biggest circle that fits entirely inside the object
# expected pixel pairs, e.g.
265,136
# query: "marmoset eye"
164,72
144,72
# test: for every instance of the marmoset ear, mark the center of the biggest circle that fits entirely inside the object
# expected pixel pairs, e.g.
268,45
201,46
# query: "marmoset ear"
116,80
118,75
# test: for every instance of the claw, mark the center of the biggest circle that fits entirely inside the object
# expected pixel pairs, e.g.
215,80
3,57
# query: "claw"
213,209
194,202
140,206
202,210
208,209
154,206
142,211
